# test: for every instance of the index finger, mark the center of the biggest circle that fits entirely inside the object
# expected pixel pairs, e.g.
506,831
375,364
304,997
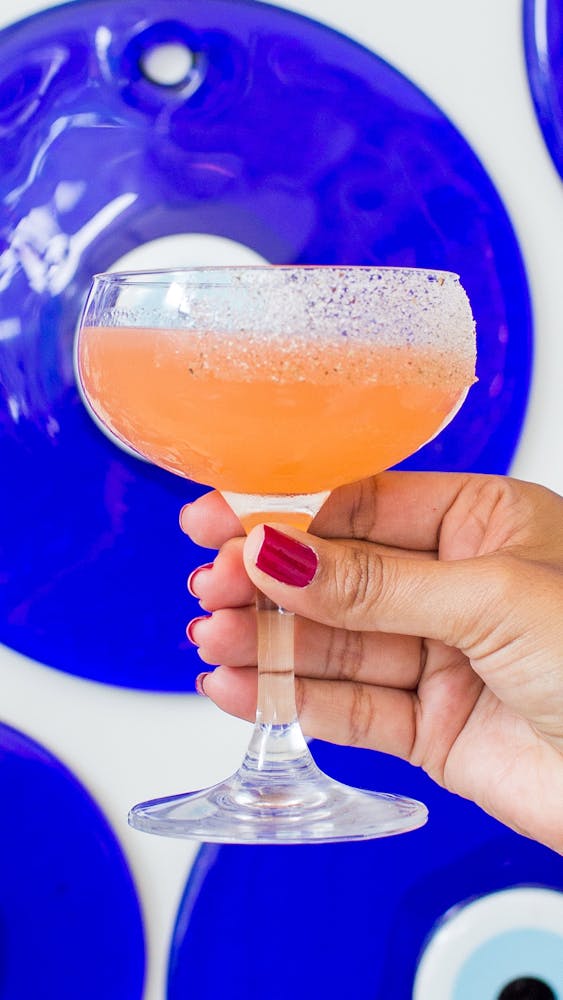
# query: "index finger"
209,521
401,509
458,514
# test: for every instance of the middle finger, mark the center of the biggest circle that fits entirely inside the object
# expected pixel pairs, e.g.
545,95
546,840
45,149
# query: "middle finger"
229,637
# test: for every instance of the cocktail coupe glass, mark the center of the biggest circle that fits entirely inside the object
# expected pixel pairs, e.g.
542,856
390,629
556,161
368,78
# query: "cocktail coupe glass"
276,384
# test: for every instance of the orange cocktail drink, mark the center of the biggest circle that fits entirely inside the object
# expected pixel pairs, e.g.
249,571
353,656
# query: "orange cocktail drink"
264,416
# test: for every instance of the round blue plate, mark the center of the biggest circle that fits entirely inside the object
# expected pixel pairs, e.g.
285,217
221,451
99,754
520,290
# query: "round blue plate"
70,924
284,136
345,920
543,41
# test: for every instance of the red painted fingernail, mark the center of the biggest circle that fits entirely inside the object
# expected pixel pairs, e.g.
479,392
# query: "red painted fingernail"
199,682
286,559
192,624
193,575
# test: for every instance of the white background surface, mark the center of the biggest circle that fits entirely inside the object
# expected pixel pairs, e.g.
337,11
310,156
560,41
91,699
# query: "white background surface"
467,55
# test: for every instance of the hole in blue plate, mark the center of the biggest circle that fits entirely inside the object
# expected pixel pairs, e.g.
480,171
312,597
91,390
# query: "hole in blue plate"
167,64
167,56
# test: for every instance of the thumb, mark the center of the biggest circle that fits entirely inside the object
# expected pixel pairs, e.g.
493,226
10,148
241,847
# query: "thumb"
358,586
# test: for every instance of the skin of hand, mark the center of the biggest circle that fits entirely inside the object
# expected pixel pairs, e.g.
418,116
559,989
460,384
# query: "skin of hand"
430,626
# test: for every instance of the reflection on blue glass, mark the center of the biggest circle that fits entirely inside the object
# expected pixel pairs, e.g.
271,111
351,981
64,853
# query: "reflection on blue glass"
514,955
344,920
70,923
284,136
543,40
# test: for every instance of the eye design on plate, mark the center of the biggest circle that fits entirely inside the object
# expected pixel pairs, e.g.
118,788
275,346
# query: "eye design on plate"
506,946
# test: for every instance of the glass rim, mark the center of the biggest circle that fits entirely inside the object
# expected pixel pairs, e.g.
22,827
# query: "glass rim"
155,276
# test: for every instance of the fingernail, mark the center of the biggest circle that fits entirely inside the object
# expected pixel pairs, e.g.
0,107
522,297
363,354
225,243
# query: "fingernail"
199,683
286,559
191,625
193,575
181,514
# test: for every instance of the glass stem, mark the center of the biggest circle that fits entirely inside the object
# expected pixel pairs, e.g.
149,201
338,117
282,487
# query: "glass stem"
276,684
277,735
277,742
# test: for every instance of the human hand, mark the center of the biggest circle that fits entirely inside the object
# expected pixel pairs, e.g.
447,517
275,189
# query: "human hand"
432,629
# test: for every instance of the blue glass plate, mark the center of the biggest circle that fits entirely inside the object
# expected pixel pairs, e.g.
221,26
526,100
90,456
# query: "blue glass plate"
70,924
543,41
284,136
344,920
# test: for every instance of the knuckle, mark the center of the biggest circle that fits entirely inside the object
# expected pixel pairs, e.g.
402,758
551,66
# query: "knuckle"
345,653
359,582
361,716
361,510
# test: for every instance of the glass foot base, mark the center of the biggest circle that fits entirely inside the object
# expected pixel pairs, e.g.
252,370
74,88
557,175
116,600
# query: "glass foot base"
279,811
